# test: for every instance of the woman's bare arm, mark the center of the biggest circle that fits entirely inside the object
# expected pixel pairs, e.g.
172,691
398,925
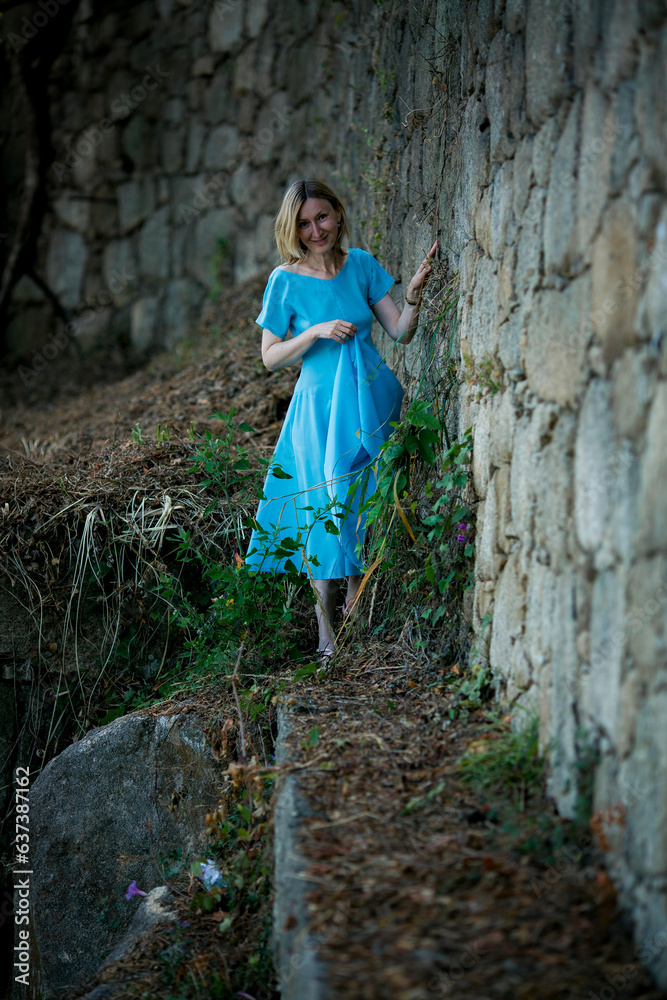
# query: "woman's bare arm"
278,352
399,326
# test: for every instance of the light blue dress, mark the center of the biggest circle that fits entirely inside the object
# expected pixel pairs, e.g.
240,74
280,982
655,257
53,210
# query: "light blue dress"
340,414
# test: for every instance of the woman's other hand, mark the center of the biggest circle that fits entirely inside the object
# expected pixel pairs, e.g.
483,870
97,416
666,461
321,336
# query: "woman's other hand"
336,329
423,271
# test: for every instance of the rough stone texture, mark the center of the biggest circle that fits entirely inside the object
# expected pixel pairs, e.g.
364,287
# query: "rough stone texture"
300,973
530,136
571,555
104,811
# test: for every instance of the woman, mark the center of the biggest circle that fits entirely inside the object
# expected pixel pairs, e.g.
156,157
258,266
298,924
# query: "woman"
319,306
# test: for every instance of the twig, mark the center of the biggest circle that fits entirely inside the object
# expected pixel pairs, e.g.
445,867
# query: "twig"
238,703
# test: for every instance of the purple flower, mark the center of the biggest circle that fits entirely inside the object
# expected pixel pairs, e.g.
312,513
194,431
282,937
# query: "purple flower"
461,537
133,891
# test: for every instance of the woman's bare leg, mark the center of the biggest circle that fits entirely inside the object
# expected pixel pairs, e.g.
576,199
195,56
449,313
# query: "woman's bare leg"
324,610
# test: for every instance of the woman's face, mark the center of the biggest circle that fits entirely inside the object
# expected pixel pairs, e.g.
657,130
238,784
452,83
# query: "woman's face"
317,224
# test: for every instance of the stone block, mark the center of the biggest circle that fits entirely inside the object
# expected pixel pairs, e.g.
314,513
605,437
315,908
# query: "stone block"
74,212
562,779
102,813
554,492
475,139
172,145
508,342
481,453
506,293
522,490
633,385
120,257
225,26
469,258
139,141
65,265
481,333
598,134
594,465
489,559
644,773
502,58
601,677
619,52
204,65
154,245
217,102
646,621
515,15
26,291
587,22
144,317
651,103
529,254
136,201
509,614
548,58
501,486
181,309
615,285
222,147
501,209
194,143
483,221
652,271
203,244
652,534
256,14
544,148
560,247
245,71
553,344
523,176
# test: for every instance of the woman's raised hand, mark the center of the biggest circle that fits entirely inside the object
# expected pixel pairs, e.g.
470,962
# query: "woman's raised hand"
422,272
335,329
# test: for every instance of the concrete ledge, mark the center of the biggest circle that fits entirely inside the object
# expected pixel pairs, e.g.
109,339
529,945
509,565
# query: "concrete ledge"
301,975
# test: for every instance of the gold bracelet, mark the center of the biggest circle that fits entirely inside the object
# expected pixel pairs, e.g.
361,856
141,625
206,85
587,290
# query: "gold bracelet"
409,302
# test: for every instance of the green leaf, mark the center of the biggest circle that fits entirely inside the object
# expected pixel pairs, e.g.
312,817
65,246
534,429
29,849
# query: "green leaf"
279,473
331,528
247,428
307,670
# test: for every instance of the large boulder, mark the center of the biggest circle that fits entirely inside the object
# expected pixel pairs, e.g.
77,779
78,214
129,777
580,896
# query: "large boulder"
109,810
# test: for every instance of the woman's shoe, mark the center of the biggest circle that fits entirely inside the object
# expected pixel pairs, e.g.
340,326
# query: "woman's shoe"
326,652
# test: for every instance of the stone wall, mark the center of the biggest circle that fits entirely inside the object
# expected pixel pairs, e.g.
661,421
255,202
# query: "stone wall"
530,136
562,218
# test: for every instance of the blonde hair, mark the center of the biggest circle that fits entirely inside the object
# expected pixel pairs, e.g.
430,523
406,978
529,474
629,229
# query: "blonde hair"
288,241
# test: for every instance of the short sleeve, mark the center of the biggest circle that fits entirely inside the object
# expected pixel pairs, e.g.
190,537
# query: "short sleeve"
276,314
380,281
